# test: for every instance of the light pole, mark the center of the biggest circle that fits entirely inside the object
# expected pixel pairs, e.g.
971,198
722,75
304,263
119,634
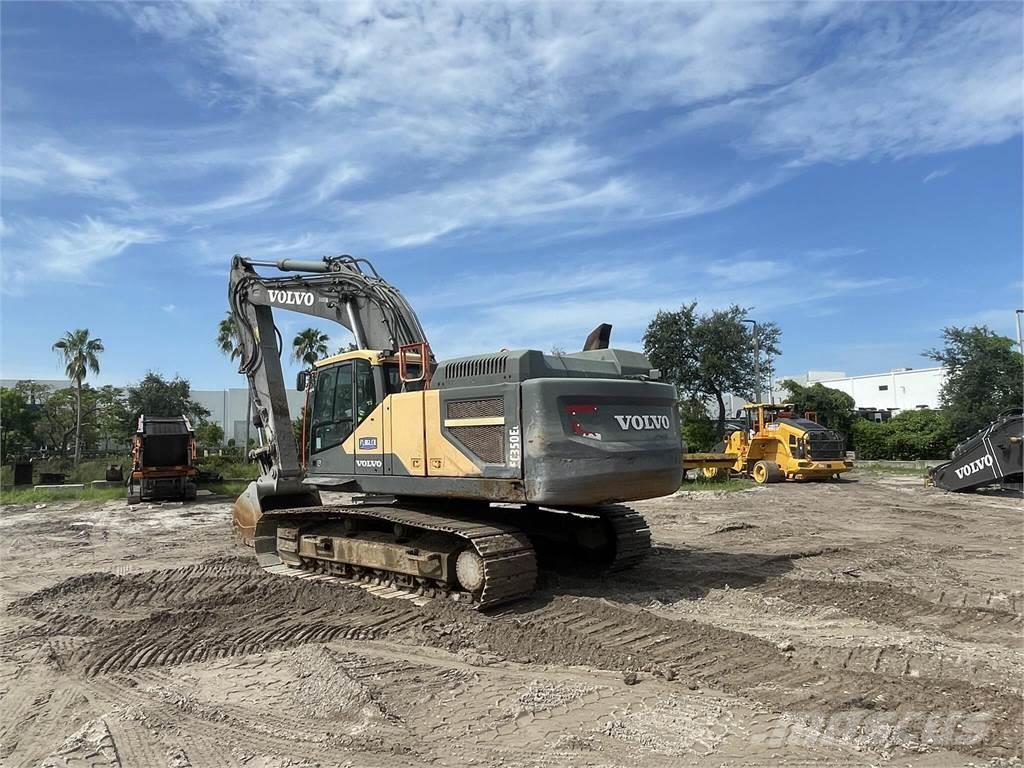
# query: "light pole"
1020,340
757,358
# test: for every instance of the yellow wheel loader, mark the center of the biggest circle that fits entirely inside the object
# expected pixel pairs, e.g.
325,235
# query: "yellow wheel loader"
777,445
464,470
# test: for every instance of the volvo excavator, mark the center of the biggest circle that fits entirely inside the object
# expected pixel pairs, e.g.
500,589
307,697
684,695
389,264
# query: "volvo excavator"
461,472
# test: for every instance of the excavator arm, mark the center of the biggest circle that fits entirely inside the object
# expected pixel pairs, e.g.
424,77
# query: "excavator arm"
342,289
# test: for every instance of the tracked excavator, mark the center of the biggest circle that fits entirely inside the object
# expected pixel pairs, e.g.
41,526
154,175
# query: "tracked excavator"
463,472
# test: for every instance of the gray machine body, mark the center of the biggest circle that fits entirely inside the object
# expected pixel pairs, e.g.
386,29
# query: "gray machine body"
993,456
578,430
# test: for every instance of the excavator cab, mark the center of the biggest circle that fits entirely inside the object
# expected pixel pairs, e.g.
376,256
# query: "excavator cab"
347,428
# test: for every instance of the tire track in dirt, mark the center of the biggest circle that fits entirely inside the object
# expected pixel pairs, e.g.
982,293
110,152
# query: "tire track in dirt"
209,733
226,609
748,666
208,611
883,603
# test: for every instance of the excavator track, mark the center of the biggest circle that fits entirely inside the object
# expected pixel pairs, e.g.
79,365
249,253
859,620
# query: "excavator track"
506,554
507,561
630,534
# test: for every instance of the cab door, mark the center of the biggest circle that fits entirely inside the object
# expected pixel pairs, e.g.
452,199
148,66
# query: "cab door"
368,442
331,421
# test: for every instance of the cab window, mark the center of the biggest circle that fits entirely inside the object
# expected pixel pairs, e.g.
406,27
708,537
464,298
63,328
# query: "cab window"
393,382
332,408
366,390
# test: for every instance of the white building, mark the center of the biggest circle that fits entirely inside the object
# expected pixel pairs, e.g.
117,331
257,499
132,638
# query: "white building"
901,389
229,409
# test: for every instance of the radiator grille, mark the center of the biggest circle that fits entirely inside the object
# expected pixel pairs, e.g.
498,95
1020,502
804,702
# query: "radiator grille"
477,366
486,442
472,409
822,446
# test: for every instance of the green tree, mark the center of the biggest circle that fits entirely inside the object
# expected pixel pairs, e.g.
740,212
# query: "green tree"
709,355
309,345
80,355
227,337
33,391
157,396
297,429
984,376
113,422
59,418
18,419
834,407
209,435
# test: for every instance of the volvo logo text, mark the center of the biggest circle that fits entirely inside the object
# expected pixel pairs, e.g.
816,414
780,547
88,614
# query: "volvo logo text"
292,297
644,422
975,466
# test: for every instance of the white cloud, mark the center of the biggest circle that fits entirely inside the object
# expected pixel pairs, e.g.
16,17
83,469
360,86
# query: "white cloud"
375,125
54,166
73,249
893,80
516,312
937,174
66,251
168,308
747,270
559,178
836,252
477,69
900,84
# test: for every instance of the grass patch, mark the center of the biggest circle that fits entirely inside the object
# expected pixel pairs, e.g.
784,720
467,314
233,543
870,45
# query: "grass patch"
32,496
724,486
229,468
225,489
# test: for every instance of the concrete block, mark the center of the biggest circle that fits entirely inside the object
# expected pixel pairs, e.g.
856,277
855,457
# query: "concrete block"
106,484
69,487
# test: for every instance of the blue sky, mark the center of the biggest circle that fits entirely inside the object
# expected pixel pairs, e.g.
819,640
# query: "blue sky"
521,172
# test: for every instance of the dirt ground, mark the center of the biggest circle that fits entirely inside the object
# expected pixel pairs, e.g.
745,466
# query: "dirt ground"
870,622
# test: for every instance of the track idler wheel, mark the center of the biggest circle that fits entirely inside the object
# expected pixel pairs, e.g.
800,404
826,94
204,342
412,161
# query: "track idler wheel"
469,570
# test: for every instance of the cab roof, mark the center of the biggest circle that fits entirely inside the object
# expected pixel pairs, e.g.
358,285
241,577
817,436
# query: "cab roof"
373,356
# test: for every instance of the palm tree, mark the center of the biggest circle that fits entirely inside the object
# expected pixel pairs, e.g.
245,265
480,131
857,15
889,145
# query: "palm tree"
80,355
227,337
309,345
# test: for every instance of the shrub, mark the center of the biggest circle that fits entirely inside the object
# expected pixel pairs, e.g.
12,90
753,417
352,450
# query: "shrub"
911,435
229,466
697,427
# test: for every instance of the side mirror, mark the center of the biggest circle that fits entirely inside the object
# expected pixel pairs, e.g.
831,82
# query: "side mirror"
302,381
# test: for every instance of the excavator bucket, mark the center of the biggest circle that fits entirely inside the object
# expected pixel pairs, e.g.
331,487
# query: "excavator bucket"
257,499
994,456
